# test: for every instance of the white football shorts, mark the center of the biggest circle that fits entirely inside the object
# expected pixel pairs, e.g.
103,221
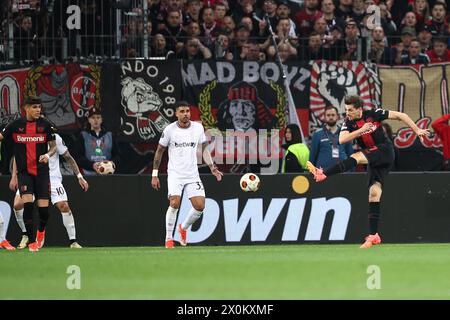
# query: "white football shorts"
192,188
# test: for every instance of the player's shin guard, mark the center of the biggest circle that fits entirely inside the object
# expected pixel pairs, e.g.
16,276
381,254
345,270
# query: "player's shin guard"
374,217
43,218
341,166
171,217
192,216
28,220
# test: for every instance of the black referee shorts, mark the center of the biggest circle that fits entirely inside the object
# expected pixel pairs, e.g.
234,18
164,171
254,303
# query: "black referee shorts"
38,185
381,158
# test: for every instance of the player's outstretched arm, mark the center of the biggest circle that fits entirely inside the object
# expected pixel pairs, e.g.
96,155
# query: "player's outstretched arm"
209,161
408,121
345,136
156,162
74,166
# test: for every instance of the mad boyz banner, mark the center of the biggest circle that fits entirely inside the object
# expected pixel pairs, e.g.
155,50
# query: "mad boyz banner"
142,98
242,95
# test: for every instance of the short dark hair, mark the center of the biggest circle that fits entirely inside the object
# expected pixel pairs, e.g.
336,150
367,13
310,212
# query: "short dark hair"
356,101
331,107
441,40
182,103
30,100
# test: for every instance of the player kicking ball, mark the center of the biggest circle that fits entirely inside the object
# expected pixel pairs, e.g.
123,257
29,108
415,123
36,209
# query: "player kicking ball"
182,138
377,152
58,196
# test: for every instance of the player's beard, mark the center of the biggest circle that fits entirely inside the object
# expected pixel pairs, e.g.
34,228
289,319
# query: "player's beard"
331,124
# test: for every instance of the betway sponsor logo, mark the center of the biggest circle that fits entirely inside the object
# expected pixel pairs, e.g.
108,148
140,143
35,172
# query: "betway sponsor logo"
184,144
261,223
27,138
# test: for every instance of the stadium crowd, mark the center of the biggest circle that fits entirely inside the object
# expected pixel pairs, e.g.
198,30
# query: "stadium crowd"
392,32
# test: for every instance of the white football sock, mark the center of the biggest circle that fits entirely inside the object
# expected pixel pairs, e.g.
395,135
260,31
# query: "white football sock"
19,218
171,217
69,223
1,228
192,216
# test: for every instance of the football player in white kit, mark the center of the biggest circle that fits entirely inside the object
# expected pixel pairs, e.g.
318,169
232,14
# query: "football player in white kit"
58,196
182,138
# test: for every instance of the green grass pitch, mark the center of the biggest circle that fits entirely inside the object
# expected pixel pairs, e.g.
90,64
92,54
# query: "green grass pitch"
407,271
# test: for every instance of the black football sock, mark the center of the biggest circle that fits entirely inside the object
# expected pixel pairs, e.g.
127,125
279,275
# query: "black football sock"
342,166
43,218
374,217
28,220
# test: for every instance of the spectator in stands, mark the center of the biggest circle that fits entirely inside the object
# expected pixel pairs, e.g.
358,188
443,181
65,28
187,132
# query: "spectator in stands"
192,30
351,31
314,49
283,32
242,35
297,153
380,52
422,11
414,55
228,26
209,27
252,52
358,11
325,148
305,18
351,50
409,20
222,47
173,31
321,27
245,8
328,10
270,9
194,50
192,13
25,46
407,35
425,37
247,21
346,47
284,12
95,144
159,48
287,52
439,53
220,12
442,129
344,10
438,23
388,25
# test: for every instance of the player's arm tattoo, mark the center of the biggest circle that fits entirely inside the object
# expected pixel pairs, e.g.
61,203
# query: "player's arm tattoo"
207,155
158,156
71,162
52,148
